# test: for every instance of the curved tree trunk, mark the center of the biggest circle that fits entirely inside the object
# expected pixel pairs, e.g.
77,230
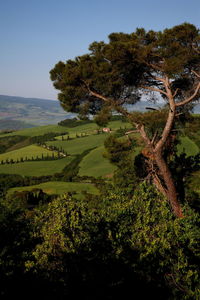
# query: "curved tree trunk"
169,183
155,148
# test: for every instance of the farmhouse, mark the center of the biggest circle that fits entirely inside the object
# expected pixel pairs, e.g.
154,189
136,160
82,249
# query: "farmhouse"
106,129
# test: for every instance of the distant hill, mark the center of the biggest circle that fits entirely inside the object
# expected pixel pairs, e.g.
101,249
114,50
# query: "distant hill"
32,111
197,109
19,112
14,124
142,106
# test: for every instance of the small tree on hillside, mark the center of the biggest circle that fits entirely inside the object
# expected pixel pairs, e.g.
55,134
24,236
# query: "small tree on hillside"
113,74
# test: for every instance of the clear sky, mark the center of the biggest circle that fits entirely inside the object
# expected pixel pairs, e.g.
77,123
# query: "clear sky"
36,34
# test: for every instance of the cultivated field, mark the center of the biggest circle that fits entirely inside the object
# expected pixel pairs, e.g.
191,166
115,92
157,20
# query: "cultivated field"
187,146
29,152
94,164
36,168
78,145
84,147
88,128
59,187
36,131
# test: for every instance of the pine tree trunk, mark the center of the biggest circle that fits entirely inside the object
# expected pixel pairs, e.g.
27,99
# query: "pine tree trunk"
169,183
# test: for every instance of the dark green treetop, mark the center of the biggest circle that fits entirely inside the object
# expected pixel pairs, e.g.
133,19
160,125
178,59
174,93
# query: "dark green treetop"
117,72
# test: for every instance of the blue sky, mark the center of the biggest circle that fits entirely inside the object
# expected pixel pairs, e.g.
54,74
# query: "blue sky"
36,34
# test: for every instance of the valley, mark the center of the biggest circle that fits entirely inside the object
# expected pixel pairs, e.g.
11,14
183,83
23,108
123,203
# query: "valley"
60,159
78,150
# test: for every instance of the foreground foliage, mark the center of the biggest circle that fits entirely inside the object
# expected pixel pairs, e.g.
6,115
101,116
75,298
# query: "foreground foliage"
108,246
125,244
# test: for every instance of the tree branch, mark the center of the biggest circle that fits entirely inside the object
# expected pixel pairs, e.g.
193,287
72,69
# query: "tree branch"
116,106
196,49
94,93
188,100
154,137
158,78
170,118
153,89
154,67
143,134
166,130
176,91
107,100
198,75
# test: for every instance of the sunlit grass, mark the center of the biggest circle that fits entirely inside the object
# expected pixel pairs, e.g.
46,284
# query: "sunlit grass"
36,168
59,188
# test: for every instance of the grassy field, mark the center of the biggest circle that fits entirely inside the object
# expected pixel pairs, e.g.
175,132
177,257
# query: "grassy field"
78,145
73,147
187,146
36,131
36,168
59,187
28,152
94,164
89,128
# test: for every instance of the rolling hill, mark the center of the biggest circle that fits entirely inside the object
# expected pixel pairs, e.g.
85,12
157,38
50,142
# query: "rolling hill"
85,161
19,112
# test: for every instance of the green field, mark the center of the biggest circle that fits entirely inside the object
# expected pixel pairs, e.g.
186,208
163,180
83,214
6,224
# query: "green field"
187,146
86,128
195,182
91,128
36,131
59,187
28,152
73,147
36,168
78,145
94,164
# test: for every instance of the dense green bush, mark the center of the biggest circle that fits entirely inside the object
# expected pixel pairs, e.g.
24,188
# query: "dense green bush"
40,139
23,200
127,244
74,122
9,141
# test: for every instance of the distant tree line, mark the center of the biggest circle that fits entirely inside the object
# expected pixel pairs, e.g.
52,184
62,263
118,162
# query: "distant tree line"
44,157
74,122
50,136
7,142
